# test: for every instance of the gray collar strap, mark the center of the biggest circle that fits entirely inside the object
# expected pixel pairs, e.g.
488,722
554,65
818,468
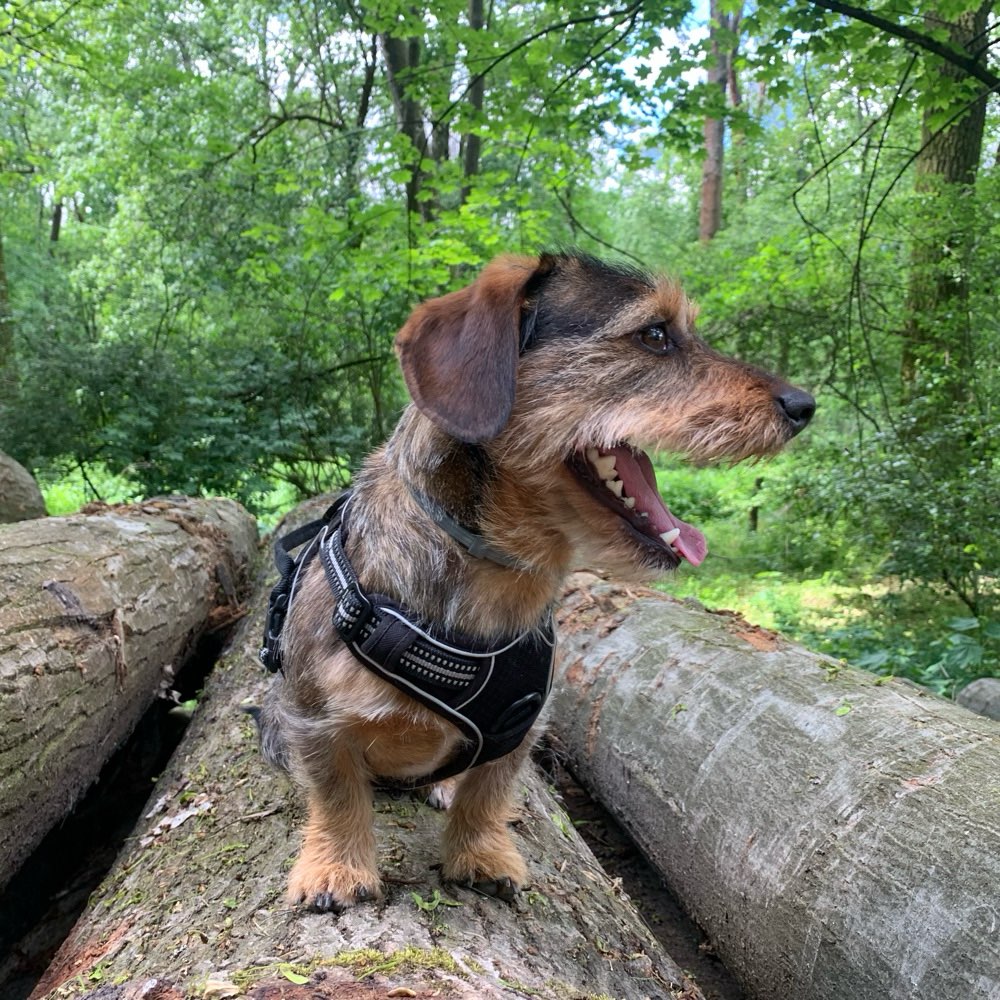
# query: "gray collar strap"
473,543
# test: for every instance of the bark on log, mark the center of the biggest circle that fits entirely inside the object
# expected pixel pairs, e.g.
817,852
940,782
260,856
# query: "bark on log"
95,610
20,497
982,696
836,834
197,904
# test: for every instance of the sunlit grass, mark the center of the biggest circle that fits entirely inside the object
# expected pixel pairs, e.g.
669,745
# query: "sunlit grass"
67,492
846,608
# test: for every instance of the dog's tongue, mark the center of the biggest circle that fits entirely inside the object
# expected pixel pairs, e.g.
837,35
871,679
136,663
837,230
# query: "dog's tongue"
635,470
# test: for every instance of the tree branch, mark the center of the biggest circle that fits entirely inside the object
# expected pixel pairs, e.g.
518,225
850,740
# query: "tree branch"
620,15
567,208
969,64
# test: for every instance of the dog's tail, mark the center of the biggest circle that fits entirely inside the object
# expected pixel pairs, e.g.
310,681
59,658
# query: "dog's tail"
272,743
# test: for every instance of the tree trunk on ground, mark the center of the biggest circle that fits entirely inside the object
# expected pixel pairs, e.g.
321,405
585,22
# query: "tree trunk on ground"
199,896
836,834
982,696
95,611
20,497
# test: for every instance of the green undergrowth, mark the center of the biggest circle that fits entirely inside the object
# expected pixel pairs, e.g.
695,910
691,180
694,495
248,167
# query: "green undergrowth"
821,592
794,575
67,489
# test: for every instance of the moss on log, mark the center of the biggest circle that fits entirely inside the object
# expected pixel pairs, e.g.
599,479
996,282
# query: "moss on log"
837,834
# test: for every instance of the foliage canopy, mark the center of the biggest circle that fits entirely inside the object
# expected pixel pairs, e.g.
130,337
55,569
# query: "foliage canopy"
214,217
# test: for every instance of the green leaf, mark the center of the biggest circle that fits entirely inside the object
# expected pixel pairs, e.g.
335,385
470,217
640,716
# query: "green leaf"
292,976
562,824
963,624
433,901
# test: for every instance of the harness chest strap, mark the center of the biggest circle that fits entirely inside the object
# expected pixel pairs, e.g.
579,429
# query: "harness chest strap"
493,694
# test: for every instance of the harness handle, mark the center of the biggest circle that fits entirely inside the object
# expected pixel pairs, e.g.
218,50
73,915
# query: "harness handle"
288,567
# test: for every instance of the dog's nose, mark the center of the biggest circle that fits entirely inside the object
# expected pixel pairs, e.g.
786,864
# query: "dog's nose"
798,406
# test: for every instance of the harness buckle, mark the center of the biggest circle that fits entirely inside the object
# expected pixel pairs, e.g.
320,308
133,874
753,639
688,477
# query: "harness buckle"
353,612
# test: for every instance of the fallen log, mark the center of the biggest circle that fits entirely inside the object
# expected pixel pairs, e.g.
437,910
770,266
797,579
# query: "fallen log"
982,696
836,834
196,906
20,497
96,610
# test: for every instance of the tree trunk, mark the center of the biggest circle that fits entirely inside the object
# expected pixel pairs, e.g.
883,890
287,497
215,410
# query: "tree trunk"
738,173
8,357
199,896
934,344
835,833
95,611
20,497
471,142
55,227
402,60
710,214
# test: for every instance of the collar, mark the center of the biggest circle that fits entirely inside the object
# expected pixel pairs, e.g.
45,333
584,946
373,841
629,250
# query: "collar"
471,541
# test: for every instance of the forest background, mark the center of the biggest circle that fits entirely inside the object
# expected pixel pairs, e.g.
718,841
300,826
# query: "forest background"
215,215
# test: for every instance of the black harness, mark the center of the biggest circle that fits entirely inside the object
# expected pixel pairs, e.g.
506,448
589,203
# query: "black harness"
492,693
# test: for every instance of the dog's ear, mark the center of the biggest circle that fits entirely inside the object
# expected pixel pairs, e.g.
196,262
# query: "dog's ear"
459,352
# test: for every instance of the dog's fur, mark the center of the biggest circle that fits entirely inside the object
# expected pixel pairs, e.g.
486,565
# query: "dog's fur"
495,438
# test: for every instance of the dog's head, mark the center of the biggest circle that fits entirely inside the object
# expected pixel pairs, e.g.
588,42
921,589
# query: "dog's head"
568,369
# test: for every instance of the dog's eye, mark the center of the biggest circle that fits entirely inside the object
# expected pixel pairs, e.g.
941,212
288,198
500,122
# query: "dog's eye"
655,339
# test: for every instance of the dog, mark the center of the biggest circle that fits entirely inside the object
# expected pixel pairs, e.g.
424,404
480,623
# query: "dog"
536,391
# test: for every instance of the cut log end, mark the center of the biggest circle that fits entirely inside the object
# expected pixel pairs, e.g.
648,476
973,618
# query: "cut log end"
20,497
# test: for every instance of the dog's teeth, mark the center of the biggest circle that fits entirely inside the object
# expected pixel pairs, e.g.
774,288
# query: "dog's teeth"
605,466
671,536
616,486
592,455
629,502
643,513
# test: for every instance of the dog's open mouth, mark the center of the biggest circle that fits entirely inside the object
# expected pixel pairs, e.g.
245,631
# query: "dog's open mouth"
622,479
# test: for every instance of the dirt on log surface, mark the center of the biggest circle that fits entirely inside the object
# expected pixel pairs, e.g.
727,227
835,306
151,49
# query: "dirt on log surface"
196,907
836,834
96,610
20,497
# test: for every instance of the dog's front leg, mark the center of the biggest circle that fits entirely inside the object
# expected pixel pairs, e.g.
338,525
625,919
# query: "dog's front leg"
337,865
478,849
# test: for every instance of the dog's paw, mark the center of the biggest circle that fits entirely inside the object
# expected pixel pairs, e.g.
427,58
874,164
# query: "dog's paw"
500,888
499,873
331,888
